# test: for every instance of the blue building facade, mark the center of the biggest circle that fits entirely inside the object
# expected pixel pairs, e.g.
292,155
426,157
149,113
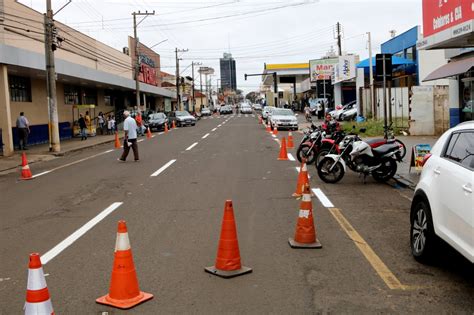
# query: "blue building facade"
404,46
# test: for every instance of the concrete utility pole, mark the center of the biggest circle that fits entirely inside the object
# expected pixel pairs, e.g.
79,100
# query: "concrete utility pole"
339,44
178,95
200,82
192,69
137,56
51,42
371,77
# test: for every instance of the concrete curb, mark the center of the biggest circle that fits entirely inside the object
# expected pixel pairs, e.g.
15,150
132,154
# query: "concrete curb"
404,182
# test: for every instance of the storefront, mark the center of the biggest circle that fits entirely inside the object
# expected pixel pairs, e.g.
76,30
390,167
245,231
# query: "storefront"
450,25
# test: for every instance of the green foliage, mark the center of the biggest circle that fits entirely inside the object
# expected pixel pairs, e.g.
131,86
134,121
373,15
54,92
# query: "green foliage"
375,127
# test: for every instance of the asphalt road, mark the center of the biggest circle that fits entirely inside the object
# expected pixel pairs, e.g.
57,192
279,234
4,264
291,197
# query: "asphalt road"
174,219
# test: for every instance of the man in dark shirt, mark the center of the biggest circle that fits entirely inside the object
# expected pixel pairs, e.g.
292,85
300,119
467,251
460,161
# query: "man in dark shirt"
83,126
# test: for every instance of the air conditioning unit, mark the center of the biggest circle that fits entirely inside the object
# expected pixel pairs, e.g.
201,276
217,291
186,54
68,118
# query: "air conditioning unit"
126,51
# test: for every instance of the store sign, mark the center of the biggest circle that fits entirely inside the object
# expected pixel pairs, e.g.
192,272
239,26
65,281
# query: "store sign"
440,15
147,75
322,69
345,69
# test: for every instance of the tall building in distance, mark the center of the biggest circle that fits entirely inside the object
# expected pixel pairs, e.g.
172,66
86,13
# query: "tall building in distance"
228,73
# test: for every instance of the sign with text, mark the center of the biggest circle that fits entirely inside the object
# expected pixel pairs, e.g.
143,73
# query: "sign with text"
345,69
147,75
440,15
322,69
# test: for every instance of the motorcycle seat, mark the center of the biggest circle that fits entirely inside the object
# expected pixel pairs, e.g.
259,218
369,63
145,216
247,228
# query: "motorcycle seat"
386,148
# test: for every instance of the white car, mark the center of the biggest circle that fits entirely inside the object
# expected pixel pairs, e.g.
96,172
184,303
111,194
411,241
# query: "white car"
257,106
246,109
337,114
266,111
283,118
349,114
205,111
443,204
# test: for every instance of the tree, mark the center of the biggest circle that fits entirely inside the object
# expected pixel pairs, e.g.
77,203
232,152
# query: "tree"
252,97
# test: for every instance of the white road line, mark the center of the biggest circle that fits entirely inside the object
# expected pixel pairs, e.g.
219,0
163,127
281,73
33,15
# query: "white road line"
219,125
160,133
153,136
323,198
291,157
205,136
72,163
56,250
192,146
214,129
253,115
274,136
163,168
141,140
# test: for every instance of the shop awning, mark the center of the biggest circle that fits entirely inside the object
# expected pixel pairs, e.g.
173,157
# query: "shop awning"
451,69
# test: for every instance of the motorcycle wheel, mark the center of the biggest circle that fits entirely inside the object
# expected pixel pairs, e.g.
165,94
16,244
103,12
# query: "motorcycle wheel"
305,152
403,150
386,171
321,155
333,176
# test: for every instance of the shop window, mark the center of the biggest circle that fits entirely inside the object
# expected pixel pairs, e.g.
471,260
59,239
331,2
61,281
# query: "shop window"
411,53
89,97
20,89
108,98
71,95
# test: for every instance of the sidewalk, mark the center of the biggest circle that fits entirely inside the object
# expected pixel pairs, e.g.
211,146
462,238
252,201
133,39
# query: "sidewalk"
39,153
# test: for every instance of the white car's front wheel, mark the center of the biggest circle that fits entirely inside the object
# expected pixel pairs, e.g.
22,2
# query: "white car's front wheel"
422,236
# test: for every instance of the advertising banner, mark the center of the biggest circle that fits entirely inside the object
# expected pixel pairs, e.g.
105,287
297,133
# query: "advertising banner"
440,15
345,69
418,154
322,69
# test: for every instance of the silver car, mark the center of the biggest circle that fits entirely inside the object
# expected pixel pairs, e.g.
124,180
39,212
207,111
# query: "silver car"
283,118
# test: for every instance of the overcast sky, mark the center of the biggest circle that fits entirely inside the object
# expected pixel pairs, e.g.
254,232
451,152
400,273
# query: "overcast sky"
254,31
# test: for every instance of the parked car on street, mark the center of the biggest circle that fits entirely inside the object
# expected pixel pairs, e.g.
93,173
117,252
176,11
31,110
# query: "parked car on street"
266,111
349,114
246,109
205,112
337,113
443,204
257,107
182,118
157,121
283,118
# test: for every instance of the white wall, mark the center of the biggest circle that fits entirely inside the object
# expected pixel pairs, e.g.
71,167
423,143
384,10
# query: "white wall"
429,61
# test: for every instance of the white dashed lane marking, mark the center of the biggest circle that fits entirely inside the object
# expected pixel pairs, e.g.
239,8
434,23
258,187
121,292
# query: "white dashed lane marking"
163,168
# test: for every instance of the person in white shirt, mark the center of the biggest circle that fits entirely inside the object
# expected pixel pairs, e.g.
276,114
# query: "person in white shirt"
23,126
130,139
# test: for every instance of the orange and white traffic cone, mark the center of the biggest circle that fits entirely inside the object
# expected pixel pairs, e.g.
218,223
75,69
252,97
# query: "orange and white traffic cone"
173,124
148,133
302,179
117,141
166,127
228,263
260,120
37,293
283,152
290,145
124,291
269,128
305,234
25,169
275,130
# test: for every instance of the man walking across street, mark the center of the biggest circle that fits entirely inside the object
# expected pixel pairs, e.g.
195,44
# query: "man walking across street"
23,126
130,139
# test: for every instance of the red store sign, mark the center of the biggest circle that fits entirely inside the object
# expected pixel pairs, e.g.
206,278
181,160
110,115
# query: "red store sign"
440,15
147,75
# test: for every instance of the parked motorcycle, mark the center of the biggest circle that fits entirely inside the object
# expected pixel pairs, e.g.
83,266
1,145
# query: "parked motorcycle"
375,143
380,162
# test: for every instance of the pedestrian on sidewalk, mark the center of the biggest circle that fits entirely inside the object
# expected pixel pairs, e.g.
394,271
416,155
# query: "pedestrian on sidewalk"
83,126
101,123
23,126
111,125
130,139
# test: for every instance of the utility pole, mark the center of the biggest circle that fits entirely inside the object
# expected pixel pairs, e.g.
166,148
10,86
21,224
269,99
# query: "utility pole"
137,56
371,78
51,42
339,44
178,94
200,82
192,69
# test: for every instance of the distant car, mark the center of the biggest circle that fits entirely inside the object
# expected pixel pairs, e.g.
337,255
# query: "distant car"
225,110
205,112
349,114
337,113
257,107
443,204
283,118
246,109
157,121
182,118
266,111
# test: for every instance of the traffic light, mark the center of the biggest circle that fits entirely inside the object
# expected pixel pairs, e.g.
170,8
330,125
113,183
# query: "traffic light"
245,77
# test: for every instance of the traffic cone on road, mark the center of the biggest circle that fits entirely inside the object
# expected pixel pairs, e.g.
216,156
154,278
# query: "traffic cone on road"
283,152
269,129
124,291
290,141
302,179
260,120
148,133
25,169
275,130
37,293
166,127
305,234
228,263
173,125
117,141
